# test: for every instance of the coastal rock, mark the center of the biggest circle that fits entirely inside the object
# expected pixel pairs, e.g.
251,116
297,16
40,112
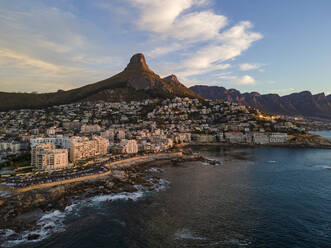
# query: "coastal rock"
57,192
33,236
129,188
38,200
310,140
21,211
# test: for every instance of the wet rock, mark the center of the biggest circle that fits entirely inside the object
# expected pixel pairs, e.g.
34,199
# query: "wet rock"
129,188
59,197
110,185
38,199
33,236
148,184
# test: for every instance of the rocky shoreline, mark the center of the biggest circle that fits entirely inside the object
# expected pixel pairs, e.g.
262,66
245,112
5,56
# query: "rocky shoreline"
21,211
190,158
299,141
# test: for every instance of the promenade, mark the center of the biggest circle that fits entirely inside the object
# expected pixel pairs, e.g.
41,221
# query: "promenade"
110,166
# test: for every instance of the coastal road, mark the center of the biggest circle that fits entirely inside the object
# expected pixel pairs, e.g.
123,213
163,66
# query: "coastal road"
121,163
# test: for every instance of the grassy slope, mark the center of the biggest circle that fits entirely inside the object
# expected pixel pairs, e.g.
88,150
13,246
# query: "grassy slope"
111,89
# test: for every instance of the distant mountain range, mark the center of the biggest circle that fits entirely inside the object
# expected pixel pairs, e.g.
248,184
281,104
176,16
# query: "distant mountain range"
135,82
298,104
138,82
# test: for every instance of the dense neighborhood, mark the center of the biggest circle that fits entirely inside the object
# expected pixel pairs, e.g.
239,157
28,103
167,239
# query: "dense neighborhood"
65,136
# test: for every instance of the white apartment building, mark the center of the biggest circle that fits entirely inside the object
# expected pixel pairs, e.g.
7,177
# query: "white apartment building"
86,148
120,134
220,137
51,131
108,134
44,157
129,146
204,138
10,146
58,141
235,137
278,137
170,143
261,138
182,137
90,128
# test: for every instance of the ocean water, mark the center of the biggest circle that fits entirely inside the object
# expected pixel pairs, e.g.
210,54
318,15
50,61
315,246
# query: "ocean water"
258,197
325,134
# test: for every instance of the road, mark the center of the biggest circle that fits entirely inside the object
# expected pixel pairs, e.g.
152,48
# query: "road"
121,163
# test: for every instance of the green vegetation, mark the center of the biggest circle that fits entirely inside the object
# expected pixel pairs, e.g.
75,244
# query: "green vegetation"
15,162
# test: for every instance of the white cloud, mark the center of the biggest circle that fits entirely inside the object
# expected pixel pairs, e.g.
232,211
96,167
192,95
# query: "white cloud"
169,19
199,26
90,60
230,78
66,49
50,45
226,76
158,15
26,61
172,19
45,55
249,67
190,71
158,51
197,35
245,80
231,44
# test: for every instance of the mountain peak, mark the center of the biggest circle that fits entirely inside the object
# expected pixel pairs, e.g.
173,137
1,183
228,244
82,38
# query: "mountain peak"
135,83
171,77
138,62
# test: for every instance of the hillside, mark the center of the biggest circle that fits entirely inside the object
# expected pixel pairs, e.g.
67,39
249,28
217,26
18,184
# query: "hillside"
300,104
135,82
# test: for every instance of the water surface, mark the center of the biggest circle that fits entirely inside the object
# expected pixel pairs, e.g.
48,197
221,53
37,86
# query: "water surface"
325,134
259,197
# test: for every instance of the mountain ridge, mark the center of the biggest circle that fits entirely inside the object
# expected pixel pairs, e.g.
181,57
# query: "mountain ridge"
136,82
300,103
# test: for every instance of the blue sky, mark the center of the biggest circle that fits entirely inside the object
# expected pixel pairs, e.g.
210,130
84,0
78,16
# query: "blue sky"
252,45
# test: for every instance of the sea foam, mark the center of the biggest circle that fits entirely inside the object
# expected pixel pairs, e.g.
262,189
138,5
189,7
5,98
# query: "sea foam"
53,221
187,234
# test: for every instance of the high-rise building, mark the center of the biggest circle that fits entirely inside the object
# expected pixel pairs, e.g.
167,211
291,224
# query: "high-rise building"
129,146
86,148
51,131
10,146
58,141
108,134
120,134
43,156
90,128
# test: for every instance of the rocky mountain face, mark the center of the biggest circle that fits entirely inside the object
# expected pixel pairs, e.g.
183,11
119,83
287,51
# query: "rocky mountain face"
136,82
302,104
140,77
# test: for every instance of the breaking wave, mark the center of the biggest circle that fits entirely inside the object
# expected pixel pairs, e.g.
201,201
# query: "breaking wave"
53,221
48,224
187,234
